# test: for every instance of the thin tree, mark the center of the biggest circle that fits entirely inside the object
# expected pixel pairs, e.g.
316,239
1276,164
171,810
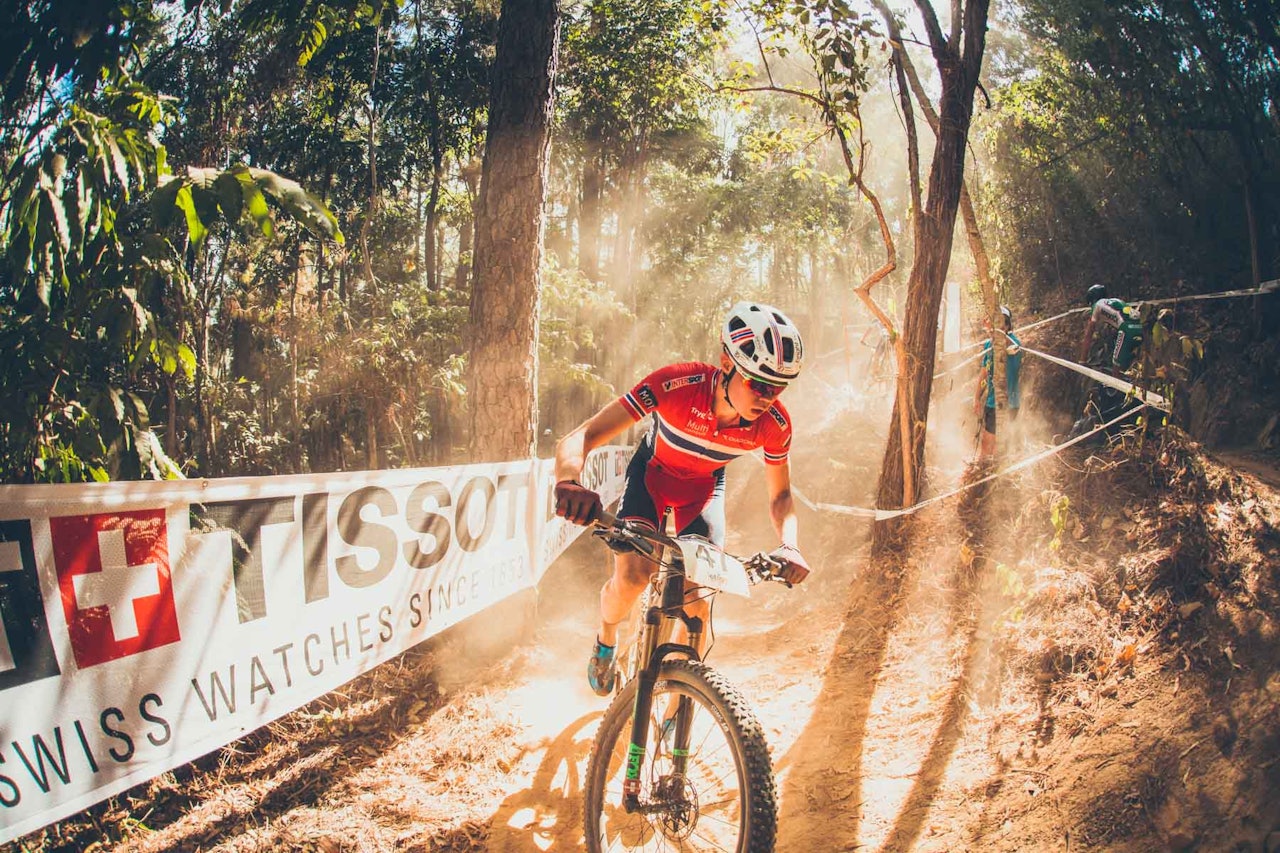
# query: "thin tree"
977,246
502,381
958,57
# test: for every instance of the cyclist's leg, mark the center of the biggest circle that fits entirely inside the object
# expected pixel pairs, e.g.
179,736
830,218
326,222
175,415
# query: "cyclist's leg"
630,574
704,518
987,437
630,570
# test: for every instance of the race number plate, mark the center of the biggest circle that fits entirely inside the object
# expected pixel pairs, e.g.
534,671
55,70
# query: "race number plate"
707,565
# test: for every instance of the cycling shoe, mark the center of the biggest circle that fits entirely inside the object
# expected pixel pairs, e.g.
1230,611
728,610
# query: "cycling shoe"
602,669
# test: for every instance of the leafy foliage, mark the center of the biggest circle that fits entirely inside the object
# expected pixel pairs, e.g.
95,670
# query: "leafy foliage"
1133,152
96,283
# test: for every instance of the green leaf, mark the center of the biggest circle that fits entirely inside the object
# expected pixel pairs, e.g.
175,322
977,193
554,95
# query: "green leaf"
312,41
187,358
230,196
164,201
300,204
58,213
196,229
256,204
118,164
117,403
204,194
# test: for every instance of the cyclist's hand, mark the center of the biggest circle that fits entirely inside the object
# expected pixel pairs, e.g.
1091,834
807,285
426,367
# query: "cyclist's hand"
576,502
795,569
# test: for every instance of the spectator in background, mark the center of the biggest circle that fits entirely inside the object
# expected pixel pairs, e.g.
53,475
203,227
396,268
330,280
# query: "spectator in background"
984,400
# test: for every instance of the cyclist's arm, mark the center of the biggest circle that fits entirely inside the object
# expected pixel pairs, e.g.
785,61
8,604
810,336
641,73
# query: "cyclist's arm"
782,509
1087,341
596,431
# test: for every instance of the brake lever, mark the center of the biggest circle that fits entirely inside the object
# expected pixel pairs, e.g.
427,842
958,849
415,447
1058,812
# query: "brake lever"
766,569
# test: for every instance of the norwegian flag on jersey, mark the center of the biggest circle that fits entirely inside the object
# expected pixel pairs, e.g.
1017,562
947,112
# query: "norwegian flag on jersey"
117,591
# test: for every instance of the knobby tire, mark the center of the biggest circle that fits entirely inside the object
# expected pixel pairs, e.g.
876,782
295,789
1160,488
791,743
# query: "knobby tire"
714,700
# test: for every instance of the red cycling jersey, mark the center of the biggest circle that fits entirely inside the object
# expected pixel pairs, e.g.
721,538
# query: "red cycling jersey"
688,440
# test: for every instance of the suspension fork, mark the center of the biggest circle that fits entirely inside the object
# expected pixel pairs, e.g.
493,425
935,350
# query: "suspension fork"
653,657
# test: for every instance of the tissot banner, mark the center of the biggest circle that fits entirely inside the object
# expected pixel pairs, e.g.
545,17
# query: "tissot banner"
145,624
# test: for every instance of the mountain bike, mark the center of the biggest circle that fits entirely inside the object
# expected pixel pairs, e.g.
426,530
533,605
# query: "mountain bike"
680,761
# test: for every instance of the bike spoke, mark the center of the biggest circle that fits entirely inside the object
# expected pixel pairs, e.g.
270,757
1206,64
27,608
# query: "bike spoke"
701,809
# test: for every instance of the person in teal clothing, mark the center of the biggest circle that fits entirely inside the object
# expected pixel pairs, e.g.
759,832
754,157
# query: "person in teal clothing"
985,399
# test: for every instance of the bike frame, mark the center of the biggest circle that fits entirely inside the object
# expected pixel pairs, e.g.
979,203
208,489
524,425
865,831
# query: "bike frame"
658,621
652,655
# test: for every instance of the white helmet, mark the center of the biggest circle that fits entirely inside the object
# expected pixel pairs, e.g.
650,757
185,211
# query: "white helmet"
763,343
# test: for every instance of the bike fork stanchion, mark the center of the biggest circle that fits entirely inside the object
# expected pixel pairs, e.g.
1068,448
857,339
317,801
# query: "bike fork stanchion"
645,680
680,737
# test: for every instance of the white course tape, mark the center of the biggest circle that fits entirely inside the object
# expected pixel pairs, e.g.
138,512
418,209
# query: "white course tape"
1031,326
1262,289
1149,397
884,514
1266,287
958,365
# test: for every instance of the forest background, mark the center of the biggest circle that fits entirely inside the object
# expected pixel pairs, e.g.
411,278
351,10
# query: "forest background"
237,237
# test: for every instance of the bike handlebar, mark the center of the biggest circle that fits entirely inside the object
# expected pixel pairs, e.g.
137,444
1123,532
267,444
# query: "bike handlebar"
760,566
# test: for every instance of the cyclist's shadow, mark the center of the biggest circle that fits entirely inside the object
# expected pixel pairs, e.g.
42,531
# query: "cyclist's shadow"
547,816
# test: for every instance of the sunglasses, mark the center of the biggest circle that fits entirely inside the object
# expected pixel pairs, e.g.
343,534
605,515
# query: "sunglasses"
763,389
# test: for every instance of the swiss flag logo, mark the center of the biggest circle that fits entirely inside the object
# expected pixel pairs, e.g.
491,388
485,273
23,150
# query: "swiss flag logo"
117,591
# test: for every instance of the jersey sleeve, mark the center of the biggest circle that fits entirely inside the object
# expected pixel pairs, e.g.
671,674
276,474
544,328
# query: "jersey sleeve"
649,393
777,435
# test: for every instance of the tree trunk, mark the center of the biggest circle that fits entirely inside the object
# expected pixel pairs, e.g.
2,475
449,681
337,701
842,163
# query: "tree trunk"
429,242
934,231
502,382
467,228
371,438
372,211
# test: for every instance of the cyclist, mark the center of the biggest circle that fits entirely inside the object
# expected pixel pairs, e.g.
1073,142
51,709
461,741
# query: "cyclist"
1111,340
985,399
1114,324
704,417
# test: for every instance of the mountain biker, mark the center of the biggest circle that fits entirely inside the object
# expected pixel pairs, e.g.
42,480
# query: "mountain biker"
1114,324
985,398
1110,343
704,417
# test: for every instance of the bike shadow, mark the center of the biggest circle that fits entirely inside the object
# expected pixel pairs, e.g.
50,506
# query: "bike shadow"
547,816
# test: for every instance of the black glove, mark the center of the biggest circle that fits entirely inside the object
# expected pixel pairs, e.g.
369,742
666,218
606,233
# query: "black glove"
576,502
796,569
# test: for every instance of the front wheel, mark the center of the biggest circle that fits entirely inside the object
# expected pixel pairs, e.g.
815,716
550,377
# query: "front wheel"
723,800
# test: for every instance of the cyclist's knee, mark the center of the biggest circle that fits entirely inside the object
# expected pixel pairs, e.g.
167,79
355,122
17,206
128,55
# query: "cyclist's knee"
632,570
